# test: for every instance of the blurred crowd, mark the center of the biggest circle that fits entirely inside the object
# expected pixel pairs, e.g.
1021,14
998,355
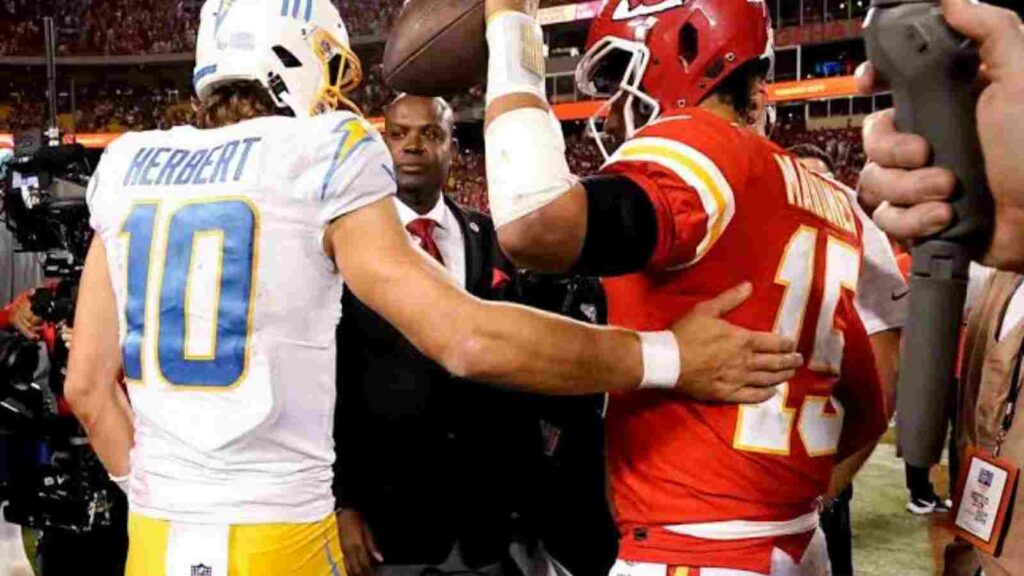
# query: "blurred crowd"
159,26
468,182
168,26
122,108
147,26
128,108
844,145
368,17
117,108
105,107
99,26
372,95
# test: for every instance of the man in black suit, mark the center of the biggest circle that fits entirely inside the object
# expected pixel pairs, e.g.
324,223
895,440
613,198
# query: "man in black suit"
431,470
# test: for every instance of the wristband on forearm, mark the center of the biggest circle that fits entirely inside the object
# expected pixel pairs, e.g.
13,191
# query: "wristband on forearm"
662,363
121,481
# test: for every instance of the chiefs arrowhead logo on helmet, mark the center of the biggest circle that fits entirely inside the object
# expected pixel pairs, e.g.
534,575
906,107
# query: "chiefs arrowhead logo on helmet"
670,54
632,8
691,45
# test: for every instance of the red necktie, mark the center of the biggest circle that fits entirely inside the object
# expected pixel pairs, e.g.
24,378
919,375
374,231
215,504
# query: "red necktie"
423,229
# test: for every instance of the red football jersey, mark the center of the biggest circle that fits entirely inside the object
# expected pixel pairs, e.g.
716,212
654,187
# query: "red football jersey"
733,207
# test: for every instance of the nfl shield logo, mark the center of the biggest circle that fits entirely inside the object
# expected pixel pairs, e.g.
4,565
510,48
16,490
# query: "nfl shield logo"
202,570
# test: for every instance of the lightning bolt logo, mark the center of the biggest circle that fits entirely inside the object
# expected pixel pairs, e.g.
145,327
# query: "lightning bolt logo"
222,13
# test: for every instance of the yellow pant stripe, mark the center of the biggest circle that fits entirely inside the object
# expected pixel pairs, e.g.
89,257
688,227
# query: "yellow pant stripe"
253,549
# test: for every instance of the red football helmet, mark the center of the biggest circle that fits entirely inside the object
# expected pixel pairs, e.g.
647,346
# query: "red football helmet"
664,54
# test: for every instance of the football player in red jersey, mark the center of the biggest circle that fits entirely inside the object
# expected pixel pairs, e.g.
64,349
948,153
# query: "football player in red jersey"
694,200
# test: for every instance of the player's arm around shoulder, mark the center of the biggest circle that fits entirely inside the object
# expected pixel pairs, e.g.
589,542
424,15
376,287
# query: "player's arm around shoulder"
512,345
498,343
520,348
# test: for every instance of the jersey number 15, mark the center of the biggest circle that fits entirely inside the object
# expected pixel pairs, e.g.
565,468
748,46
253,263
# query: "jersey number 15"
767,427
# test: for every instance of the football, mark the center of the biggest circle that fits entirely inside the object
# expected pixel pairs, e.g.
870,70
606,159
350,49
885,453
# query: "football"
437,47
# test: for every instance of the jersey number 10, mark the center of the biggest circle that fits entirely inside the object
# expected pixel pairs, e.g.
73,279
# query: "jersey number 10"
767,427
233,225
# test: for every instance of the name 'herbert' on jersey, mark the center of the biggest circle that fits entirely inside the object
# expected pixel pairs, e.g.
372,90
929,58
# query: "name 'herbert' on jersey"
165,166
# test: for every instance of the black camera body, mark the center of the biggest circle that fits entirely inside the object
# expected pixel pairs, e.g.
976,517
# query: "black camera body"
49,475
44,207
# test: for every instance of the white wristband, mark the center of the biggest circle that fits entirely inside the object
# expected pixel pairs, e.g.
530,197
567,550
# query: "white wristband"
661,359
121,481
515,63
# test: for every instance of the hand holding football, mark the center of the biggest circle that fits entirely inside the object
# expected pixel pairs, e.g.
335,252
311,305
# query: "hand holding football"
437,47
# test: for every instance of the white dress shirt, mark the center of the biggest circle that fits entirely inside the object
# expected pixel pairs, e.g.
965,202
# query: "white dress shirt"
447,236
1014,313
881,298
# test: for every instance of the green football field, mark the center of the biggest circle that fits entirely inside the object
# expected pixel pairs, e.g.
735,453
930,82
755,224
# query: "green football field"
888,540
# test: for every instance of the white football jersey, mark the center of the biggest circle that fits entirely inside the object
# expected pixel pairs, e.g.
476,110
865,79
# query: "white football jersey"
881,297
228,306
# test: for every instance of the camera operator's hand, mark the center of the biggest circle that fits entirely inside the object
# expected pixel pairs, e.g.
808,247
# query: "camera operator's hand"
24,320
909,197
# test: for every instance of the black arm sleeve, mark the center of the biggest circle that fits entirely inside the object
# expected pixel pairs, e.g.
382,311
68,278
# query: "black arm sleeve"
622,228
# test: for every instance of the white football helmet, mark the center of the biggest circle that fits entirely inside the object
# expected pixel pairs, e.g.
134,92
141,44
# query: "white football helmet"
297,49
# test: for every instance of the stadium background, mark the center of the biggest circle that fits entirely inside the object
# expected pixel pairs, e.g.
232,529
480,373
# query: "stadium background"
127,65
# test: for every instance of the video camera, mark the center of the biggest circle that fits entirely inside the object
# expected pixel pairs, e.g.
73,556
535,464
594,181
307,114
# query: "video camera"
49,475
44,205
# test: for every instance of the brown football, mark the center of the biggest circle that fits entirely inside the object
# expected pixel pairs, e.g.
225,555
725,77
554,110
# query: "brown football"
437,47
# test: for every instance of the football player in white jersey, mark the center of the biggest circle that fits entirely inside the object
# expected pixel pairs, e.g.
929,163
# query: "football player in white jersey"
213,285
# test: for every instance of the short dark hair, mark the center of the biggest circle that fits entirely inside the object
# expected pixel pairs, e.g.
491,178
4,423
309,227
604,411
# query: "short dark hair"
806,150
738,87
446,109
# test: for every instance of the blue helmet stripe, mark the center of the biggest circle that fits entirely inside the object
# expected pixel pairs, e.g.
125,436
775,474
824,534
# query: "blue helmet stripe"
203,73
309,10
284,7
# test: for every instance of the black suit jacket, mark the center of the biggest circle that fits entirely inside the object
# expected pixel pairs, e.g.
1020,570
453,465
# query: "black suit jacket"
426,458
568,510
